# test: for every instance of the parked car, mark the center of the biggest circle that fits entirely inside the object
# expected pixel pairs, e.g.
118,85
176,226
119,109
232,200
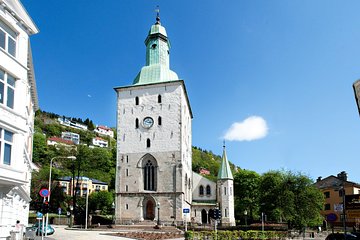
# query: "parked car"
341,236
38,229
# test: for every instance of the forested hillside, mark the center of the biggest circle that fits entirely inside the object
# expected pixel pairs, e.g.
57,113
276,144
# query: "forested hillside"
93,162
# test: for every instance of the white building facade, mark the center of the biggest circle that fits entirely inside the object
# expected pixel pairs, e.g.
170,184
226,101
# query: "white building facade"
103,130
74,137
18,103
99,142
154,178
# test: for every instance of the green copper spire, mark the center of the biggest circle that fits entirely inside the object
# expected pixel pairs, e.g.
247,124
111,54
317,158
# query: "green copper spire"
157,67
225,171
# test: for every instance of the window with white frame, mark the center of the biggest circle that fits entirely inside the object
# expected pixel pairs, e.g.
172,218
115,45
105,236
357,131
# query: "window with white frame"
6,141
7,89
8,39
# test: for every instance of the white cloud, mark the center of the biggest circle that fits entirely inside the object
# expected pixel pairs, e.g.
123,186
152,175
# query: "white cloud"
250,129
89,95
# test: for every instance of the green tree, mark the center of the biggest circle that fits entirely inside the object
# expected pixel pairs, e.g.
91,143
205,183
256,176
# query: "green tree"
40,149
246,192
102,201
290,197
53,129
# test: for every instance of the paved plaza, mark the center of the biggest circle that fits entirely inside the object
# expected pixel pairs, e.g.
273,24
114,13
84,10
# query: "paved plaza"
62,233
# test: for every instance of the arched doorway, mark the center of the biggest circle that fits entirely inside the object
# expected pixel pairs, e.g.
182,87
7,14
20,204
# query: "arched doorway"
149,210
203,216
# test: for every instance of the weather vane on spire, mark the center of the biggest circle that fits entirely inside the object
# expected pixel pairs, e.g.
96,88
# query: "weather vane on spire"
157,10
224,143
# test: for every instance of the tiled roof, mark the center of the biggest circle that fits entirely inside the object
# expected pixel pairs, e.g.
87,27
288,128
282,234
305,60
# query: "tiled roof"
60,140
104,127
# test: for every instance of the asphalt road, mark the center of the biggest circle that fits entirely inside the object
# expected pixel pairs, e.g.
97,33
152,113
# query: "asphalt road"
63,234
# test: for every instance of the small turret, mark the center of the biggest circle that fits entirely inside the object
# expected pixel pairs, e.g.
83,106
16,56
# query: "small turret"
225,191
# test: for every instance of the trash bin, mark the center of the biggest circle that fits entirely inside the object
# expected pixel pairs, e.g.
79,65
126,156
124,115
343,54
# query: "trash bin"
30,233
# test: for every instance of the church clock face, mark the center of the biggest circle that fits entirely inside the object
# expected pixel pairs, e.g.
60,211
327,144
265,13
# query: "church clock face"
148,122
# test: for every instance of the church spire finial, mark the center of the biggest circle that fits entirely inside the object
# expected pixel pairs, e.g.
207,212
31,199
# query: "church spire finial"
224,144
157,10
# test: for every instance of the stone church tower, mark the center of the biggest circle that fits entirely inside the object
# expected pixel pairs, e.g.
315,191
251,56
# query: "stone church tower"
225,190
153,171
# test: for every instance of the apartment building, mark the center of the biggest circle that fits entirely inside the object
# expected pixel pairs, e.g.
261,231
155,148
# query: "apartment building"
336,190
84,185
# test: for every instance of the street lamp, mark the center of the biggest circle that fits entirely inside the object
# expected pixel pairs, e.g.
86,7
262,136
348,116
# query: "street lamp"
87,203
158,208
51,161
245,214
113,211
71,220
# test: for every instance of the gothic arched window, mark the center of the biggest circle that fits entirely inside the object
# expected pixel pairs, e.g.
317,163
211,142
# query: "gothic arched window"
159,98
201,190
159,121
208,190
136,100
137,123
149,176
148,143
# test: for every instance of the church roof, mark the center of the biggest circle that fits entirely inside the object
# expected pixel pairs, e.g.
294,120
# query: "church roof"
155,73
157,67
225,171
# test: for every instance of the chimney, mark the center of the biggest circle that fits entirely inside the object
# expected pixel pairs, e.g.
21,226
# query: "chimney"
319,179
342,176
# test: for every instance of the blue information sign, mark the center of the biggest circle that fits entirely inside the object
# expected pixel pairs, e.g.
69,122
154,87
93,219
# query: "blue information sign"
39,215
186,210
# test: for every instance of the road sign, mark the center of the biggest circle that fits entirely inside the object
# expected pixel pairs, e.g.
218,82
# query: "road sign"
186,210
39,215
59,210
44,192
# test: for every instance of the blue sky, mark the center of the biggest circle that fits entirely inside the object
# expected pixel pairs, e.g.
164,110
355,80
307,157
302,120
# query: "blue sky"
273,77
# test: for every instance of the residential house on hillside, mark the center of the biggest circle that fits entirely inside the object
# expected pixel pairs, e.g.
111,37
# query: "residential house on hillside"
336,189
103,130
85,185
74,137
18,103
204,171
67,122
98,141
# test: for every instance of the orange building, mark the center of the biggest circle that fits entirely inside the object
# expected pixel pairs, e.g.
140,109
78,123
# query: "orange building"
332,188
84,185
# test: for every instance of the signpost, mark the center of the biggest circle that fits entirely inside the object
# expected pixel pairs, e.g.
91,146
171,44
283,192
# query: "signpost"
44,192
186,211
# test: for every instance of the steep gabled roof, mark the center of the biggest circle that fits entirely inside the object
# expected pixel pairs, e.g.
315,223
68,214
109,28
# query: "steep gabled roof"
225,171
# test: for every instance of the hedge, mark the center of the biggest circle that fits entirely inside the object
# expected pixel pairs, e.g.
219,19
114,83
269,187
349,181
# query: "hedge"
233,235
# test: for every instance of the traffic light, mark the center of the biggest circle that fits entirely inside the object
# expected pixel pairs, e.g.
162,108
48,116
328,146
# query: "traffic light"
219,214
216,213
45,207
